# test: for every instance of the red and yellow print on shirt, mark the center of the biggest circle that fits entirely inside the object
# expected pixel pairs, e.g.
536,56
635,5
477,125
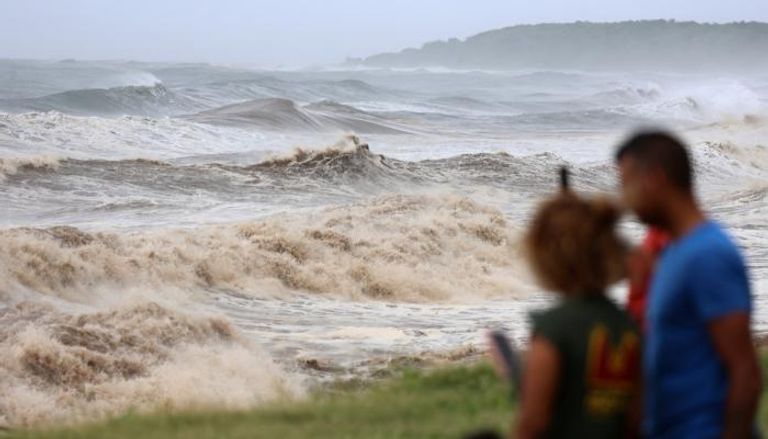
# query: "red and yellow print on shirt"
612,370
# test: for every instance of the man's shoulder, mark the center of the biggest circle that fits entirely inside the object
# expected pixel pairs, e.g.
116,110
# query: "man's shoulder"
711,243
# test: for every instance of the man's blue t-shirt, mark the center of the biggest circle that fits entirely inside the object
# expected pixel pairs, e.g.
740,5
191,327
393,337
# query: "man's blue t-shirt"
699,278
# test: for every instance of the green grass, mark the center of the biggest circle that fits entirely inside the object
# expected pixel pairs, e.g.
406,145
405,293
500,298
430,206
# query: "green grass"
762,411
413,404
442,403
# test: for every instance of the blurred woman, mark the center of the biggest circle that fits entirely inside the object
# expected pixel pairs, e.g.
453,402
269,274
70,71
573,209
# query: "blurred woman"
582,372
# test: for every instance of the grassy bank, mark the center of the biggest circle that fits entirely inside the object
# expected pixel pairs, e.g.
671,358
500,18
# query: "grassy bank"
442,403
415,404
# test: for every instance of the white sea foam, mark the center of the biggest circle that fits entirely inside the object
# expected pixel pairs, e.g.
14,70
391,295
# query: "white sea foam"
60,367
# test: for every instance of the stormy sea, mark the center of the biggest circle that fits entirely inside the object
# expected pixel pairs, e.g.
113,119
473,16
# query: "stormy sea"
183,235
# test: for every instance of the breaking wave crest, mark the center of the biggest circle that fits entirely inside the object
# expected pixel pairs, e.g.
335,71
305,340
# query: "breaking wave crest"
15,165
402,248
279,114
133,99
348,158
127,137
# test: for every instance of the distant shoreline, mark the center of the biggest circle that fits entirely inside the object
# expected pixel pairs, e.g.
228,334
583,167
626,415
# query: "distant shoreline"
621,46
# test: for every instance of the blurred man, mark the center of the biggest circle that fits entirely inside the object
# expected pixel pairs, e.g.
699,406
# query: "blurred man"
701,376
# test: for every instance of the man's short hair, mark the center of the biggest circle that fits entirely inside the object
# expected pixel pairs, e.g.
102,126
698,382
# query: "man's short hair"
662,150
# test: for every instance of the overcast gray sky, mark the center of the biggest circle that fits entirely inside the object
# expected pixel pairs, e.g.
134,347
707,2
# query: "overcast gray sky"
295,33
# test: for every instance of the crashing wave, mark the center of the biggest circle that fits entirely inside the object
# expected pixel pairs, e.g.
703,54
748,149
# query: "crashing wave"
401,248
66,368
284,114
14,165
85,138
133,99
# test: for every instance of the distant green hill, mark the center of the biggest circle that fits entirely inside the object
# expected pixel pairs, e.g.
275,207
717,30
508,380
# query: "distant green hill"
629,45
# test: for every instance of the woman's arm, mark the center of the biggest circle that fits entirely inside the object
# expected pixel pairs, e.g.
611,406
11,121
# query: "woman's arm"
540,382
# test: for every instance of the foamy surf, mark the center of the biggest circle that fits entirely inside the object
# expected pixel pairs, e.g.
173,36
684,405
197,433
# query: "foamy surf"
69,364
66,368
404,248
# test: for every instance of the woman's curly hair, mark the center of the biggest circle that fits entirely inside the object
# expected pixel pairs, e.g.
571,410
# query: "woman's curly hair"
572,245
